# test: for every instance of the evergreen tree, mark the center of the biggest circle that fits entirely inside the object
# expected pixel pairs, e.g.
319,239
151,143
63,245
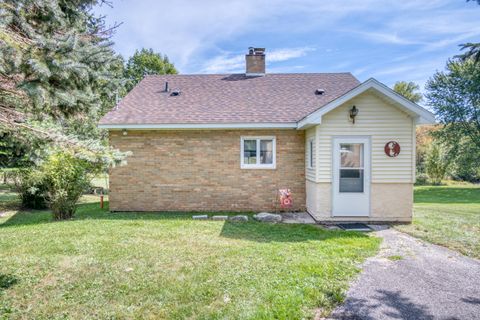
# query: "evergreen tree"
58,72
473,49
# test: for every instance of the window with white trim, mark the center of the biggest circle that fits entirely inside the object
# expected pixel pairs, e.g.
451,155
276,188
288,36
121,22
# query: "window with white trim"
310,153
257,153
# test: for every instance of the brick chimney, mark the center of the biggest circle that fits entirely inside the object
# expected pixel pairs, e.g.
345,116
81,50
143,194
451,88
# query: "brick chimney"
255,60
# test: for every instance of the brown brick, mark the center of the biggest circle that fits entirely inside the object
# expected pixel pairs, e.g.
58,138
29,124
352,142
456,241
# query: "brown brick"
199,170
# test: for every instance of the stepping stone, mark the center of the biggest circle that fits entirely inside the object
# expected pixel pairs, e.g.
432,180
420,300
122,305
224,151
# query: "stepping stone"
268,217
219,217
200,217
240,218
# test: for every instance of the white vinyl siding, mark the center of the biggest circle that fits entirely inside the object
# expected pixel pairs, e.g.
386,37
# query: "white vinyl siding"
378,120
310,171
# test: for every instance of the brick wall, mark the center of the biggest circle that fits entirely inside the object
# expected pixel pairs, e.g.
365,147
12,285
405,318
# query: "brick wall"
200,171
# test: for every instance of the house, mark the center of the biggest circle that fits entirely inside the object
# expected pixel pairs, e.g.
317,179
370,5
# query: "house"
229,142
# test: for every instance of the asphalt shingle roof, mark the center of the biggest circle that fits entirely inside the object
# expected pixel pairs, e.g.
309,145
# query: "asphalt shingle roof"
234,98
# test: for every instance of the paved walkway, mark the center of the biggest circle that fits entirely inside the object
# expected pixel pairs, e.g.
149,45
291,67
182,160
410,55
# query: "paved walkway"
297,217
427,282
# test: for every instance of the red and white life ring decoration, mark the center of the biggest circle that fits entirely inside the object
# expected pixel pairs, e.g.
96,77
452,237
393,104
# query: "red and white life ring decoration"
392,149
286,200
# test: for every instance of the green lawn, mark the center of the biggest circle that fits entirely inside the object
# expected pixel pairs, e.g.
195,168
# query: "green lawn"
8,199
167,266
448,216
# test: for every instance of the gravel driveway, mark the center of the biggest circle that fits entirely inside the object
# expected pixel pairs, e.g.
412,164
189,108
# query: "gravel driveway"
411,279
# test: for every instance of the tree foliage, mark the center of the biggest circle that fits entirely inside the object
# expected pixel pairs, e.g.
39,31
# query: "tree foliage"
436,163
146,62
424,138
31,187
409,90
58,72
66,177
454,95
58,76
473,49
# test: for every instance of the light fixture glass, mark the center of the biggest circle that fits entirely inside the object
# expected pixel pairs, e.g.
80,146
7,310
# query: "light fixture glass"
353,113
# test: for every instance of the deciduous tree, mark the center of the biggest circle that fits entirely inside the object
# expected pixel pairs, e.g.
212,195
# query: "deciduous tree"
146,62
409,90
454,95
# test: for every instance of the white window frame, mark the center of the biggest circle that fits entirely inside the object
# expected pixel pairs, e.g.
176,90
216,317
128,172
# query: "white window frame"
310,160
258,165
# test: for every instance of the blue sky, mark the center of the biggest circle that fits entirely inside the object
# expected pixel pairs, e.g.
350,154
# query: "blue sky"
389,40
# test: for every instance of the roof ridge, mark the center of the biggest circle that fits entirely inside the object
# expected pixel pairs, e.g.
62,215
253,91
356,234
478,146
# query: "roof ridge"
236,73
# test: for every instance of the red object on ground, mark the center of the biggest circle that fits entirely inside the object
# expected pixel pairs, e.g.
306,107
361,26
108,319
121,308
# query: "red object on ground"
286,200
101,201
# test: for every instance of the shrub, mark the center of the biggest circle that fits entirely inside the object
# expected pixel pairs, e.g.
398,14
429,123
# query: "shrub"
31,187
67,178
466,163
421,179
436,164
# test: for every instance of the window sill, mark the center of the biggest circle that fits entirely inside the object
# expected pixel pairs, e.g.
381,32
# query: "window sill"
256,167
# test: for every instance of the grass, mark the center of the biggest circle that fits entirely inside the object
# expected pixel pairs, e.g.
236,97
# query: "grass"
448,216
167,266
8,199
395,257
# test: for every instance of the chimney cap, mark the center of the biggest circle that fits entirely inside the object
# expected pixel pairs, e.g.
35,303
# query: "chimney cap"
256,51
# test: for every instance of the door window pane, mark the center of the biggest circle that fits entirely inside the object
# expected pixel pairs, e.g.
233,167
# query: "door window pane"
351,180
250,151
266,151
351,155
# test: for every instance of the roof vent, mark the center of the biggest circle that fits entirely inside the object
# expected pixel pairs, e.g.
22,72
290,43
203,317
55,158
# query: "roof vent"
166,86
175,93
319,92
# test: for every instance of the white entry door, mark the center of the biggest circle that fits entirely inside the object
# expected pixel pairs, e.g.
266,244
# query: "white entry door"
351,177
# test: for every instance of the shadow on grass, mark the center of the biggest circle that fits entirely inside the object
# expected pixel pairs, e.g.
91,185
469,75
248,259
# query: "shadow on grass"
252,230
441,194
7,281
280,232
89,211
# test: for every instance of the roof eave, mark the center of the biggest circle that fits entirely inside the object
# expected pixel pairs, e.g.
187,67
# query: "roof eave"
203,126
421,115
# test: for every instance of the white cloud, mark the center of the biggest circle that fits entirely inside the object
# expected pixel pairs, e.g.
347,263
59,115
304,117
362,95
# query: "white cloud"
278,55
386,37
228,62
225,63
390,37
179,28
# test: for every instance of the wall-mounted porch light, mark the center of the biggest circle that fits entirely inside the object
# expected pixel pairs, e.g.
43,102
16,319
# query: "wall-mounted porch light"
353,113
